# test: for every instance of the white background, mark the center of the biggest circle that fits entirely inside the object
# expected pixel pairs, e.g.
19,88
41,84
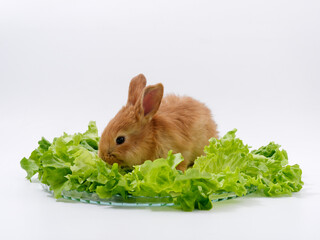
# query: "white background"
254,63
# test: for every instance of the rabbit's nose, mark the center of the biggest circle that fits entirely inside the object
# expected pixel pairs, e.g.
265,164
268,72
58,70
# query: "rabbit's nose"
109,152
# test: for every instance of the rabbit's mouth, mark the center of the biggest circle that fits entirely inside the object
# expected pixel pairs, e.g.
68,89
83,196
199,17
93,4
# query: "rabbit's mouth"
111,159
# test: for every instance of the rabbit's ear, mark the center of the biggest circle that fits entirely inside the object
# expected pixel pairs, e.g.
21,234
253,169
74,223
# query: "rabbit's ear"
150,100
136,87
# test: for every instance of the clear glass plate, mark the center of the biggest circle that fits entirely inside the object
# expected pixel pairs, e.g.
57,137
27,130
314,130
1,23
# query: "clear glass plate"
133,201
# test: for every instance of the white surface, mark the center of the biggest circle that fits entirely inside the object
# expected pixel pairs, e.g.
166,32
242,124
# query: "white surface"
254,63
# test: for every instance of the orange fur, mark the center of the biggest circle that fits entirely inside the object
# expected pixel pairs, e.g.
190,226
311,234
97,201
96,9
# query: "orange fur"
152,126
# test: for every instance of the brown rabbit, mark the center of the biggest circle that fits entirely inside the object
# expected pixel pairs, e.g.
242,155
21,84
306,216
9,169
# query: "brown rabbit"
147,128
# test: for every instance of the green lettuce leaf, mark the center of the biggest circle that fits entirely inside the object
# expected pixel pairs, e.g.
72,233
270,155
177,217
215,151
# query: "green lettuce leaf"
32,164
228,168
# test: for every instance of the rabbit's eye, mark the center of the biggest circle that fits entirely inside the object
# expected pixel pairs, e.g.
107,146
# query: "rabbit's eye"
120,140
